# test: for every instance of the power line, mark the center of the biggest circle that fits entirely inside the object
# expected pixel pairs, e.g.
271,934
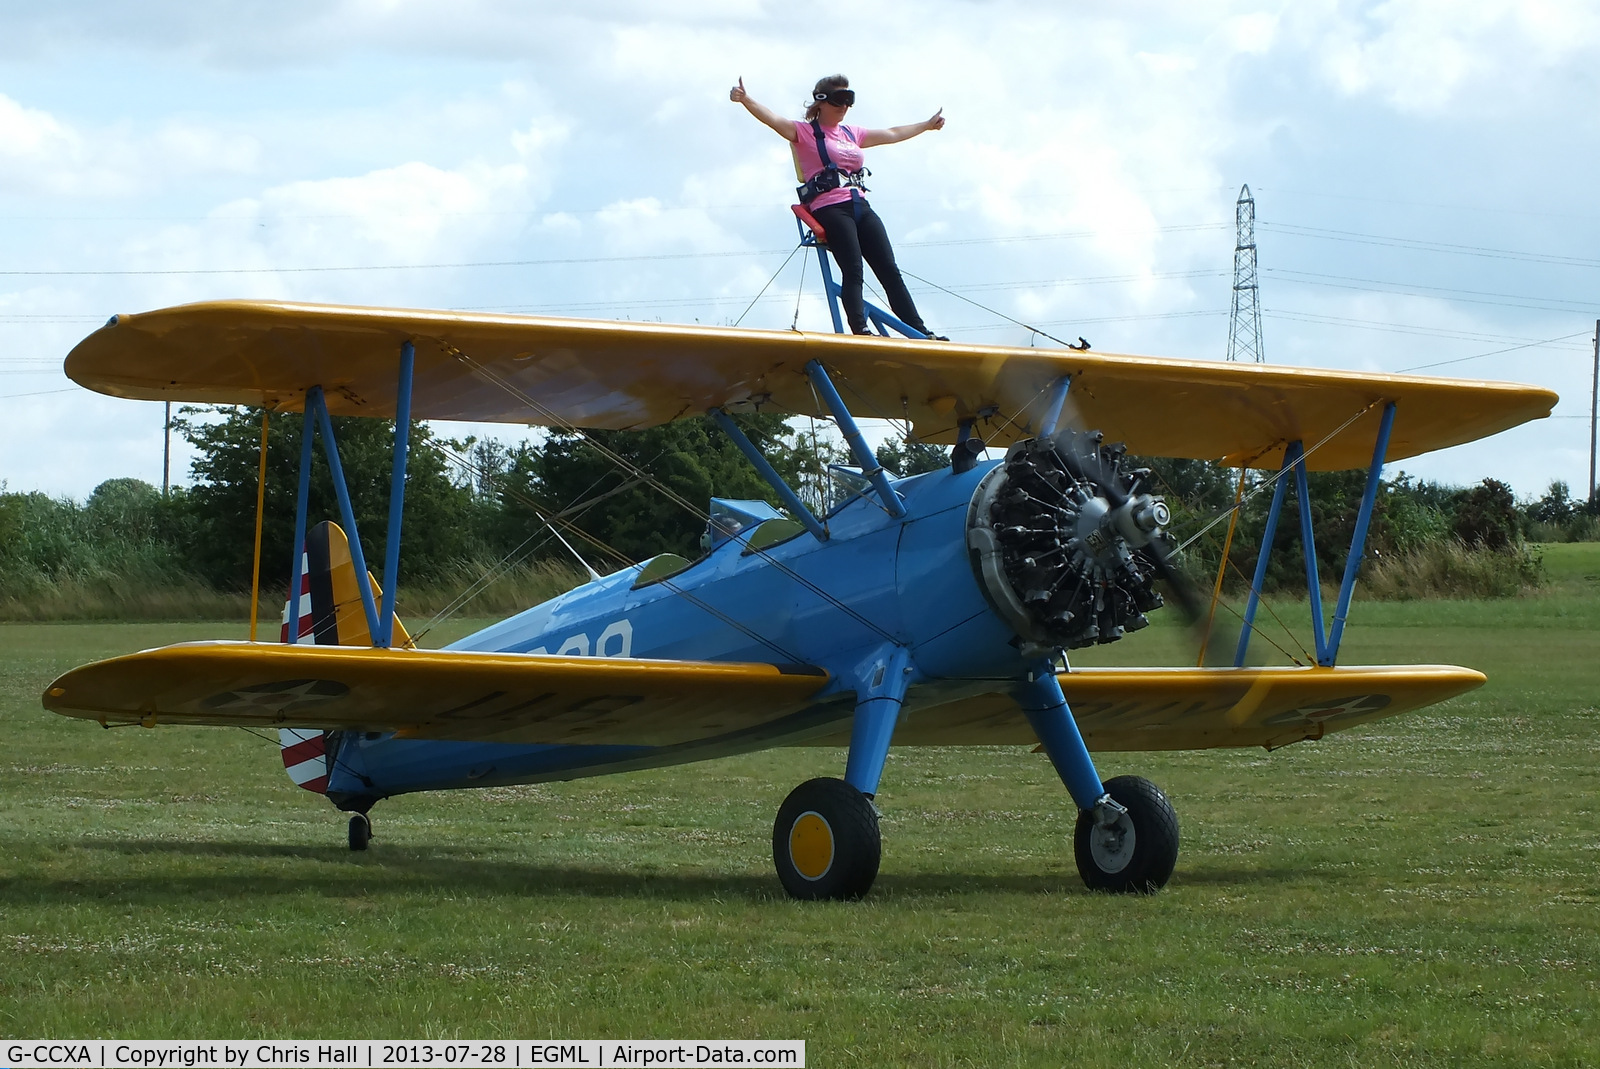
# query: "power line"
1496,352
528,213
39,393
567,261
1508,300
1294,316
1431,204
1292,230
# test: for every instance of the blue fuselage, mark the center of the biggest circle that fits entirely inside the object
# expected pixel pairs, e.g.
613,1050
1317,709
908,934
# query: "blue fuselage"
876,580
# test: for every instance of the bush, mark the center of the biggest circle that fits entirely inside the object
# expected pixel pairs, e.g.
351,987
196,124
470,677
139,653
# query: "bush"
117,556
1450,569
1487,516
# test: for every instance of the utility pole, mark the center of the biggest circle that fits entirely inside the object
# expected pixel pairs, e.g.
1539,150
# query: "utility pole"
166,454
1594,402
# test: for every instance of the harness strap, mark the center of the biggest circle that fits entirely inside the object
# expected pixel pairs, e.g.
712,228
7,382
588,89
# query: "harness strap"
831,177
822,146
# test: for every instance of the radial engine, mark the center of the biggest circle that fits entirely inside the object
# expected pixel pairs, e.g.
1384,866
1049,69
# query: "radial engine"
1065,544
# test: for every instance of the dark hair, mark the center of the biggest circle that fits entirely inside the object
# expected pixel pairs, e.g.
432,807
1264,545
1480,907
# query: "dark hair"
824,85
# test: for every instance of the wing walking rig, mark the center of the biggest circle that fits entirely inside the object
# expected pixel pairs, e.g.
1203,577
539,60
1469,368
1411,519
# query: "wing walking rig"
932,610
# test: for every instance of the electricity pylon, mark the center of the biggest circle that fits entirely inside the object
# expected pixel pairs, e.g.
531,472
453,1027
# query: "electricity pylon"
1244,325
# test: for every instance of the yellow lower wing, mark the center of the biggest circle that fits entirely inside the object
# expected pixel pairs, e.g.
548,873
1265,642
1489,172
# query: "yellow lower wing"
1195,708
433,694
518,698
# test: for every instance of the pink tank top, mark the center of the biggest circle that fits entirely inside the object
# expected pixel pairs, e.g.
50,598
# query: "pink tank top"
844,149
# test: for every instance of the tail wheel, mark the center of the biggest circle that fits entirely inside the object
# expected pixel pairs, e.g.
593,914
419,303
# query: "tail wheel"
360,831
825,842
1135,855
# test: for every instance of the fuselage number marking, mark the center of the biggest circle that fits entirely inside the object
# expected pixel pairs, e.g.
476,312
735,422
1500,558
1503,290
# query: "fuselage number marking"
615,641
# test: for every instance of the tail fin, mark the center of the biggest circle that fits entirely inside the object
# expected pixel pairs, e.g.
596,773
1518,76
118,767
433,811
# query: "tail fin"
330,606
330,610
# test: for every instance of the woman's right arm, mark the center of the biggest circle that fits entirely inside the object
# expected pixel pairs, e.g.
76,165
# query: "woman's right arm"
784,127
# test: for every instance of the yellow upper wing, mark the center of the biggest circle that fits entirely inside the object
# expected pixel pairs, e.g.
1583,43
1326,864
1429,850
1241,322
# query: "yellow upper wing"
522,369
435,694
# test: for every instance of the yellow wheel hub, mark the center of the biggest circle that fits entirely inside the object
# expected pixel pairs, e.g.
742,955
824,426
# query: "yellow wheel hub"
811,846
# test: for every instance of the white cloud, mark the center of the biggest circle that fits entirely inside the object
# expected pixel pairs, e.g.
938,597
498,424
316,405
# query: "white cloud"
39,153
413,213
1252,34
33,146
1419,55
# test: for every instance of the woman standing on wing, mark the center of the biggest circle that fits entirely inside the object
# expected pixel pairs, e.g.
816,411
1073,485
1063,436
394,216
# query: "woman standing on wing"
830,154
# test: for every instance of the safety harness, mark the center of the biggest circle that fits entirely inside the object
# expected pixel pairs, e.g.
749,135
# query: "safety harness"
831,177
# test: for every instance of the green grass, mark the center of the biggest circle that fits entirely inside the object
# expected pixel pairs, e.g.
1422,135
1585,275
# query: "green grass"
1422,891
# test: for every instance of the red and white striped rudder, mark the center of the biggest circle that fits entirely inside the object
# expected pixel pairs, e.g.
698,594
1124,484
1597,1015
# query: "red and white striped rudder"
305,753
305,757
305,603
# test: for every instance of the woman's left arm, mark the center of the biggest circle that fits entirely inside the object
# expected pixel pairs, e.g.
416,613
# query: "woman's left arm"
902,133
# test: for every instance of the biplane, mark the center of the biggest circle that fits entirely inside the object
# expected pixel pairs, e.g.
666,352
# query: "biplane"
934,610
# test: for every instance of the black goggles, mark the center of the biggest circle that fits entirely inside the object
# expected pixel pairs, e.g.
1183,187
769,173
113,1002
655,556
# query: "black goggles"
839,98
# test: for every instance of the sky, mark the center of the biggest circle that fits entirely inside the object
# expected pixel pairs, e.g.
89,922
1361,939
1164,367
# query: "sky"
1424,174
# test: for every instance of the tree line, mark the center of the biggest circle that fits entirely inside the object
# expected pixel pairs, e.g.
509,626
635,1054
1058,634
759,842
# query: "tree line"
472,505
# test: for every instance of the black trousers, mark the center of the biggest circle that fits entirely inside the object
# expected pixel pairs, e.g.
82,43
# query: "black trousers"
855,233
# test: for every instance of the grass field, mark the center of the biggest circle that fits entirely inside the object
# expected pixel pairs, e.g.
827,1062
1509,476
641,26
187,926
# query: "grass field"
1422,891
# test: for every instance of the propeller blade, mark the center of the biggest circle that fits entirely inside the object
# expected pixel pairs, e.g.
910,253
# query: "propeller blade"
1185,596
1206,630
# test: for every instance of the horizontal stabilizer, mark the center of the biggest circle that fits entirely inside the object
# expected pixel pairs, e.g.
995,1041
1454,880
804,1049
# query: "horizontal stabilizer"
435,694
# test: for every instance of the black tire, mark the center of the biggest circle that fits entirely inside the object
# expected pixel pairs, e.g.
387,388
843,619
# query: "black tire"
360,831
825,842
1109,862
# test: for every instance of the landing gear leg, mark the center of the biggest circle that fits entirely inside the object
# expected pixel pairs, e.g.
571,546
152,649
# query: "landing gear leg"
1127,834
360,831
825,842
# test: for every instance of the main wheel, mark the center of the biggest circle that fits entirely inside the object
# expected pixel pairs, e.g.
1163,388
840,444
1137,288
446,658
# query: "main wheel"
360,831
825,842
1136,854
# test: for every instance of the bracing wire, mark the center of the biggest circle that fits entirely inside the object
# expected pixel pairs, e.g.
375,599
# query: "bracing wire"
986,308
555,419
493,575
1025,406
799,290
511,560
1250,582
276,744
1267,638
1273,480
1280,621
770,281
627,561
